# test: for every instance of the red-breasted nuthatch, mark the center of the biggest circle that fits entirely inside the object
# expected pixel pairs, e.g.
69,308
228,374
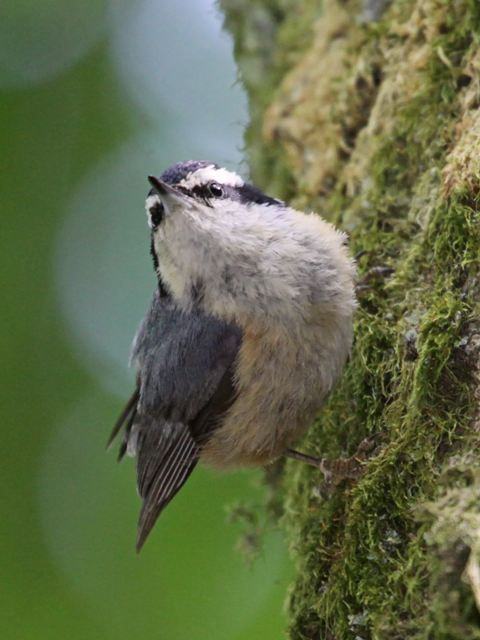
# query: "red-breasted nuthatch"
248,330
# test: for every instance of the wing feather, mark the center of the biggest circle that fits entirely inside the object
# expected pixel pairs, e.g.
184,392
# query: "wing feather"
185,365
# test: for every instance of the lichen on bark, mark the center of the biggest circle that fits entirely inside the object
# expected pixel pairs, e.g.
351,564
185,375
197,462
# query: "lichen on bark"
368,112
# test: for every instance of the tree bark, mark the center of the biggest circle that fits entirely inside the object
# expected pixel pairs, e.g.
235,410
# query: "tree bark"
368,113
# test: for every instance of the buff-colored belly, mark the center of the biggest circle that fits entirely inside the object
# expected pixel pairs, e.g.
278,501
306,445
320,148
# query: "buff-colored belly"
282,382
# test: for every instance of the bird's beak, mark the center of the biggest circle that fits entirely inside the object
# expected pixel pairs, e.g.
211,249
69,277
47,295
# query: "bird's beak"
170,197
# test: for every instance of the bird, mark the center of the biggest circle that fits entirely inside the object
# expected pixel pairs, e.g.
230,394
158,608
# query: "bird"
248,331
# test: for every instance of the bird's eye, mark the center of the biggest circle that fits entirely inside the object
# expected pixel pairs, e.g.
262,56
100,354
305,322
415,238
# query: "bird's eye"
156,214
215,190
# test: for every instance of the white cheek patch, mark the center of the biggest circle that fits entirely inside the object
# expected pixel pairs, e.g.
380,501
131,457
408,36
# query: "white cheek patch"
211,174
150,202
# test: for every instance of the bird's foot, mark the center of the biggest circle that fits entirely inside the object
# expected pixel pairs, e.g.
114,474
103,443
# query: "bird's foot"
339,469
373,276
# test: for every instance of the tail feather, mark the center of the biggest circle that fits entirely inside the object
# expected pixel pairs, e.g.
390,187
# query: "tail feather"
166,456
161,474
127,416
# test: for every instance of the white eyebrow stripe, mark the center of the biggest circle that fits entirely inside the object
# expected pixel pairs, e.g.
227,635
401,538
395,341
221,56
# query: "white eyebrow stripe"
211,174
150,202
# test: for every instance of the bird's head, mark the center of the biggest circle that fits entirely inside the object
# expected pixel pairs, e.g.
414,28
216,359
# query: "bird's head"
222,244
199,184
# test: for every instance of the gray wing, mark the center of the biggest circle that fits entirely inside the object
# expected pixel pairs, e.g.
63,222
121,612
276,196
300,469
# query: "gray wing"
185,384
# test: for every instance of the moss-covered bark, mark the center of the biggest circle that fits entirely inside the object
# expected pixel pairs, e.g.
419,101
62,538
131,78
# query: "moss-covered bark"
369,114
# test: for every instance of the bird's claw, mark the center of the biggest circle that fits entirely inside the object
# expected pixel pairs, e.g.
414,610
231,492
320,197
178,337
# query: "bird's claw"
352,468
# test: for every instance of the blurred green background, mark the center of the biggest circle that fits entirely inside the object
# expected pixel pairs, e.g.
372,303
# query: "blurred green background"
94,96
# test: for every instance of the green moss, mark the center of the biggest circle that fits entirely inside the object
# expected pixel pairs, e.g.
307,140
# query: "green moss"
362,556
384,558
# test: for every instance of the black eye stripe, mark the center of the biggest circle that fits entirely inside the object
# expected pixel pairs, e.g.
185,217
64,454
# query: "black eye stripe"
201,192
246,194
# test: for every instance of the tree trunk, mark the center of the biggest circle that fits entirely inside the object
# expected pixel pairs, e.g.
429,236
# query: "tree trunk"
368,113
